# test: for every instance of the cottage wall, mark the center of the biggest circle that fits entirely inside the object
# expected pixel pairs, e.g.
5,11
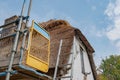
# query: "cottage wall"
77,72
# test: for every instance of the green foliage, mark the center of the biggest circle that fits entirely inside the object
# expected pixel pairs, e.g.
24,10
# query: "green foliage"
111,67
102,77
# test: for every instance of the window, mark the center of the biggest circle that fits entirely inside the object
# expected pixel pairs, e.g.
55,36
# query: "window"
82,61
83,64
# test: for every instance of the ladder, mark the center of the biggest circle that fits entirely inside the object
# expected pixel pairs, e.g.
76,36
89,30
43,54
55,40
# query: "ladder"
70,64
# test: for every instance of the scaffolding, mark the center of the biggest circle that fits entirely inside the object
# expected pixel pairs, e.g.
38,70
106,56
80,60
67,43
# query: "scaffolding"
37,75
17,34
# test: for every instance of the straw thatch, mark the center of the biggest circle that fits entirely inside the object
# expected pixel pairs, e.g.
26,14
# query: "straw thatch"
61,29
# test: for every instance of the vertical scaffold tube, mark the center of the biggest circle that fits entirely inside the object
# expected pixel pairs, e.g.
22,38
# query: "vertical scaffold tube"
15,43
57,62
25,33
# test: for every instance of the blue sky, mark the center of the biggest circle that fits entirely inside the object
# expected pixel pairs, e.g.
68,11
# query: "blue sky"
99,20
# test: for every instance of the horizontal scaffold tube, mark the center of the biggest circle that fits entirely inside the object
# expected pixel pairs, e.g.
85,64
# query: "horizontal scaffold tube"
34,71
4,73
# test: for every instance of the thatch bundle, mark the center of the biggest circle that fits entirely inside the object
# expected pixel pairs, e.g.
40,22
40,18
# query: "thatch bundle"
59,29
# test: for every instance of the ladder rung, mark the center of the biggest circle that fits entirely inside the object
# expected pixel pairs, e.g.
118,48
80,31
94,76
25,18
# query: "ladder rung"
64,77
67,64
8,36
9,23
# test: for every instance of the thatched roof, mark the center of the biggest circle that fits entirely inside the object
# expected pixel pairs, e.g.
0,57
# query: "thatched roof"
61,29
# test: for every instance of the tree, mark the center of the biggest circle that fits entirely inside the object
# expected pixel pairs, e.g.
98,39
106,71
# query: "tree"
102,77
111,67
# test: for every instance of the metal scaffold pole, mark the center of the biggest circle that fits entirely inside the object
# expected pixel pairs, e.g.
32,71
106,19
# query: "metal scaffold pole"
57,62
15,43
25,33
28,14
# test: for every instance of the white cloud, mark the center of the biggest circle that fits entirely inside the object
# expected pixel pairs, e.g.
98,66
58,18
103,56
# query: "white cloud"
113,9
93,8
93,31
109,10
113,34
118,44
113,30
100,33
